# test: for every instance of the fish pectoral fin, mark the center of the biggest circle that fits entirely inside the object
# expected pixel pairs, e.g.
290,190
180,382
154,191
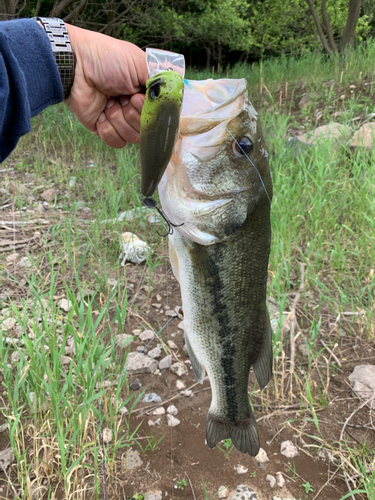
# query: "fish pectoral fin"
199,370
244,435
263,365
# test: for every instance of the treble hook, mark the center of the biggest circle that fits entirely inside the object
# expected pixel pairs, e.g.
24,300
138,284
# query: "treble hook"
151,203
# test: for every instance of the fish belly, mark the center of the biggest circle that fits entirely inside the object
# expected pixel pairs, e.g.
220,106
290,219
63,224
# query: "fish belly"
226,322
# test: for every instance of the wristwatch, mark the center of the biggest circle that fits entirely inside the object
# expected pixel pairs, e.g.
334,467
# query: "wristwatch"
62,50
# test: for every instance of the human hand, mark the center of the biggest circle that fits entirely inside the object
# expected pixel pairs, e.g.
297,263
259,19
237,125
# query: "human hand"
109,76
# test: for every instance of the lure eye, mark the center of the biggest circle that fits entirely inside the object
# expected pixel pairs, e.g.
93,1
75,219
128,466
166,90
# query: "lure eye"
155,90
242,146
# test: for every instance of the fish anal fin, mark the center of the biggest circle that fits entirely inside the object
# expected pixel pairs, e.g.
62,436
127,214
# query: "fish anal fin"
263,365
197,367
244,435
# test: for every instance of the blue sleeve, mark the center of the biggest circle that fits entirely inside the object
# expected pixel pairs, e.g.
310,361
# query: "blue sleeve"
29,79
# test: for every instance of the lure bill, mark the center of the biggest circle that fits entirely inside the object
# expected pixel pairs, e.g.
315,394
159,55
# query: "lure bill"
159,126
220,254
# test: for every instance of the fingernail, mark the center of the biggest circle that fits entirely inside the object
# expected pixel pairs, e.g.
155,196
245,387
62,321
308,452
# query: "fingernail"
102,118
124,101
110,103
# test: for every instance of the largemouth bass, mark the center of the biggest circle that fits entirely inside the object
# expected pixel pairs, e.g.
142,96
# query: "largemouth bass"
220,254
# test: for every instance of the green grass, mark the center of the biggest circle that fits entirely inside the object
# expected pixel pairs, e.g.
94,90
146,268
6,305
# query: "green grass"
323,217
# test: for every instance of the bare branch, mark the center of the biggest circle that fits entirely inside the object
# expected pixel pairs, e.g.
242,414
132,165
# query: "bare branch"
328,26
319,27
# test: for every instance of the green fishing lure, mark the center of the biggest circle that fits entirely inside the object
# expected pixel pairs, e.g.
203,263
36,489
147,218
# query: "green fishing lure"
159,126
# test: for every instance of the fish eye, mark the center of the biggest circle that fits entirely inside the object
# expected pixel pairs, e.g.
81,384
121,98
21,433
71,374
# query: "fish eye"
242,146
155,90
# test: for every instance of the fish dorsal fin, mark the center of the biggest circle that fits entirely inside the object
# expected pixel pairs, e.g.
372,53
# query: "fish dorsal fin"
199,370
263,365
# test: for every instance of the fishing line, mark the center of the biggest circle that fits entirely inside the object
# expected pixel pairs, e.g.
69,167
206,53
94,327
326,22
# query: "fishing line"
230,133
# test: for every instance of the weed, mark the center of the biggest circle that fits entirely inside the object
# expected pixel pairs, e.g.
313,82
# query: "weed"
227,447
181,485
308,487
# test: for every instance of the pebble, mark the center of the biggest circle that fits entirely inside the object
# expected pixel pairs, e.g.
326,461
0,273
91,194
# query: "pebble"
132,461
326,455
155,352
135,385
147,335
240,469
140,348
262,458
159,411
137,331
6,458
165,362
282,498
222,492
40,209
288,449
187,393
123,339
363,382
280,481
49,195
142,364
180,385
271,479
25,262
154,495
243,492
172,344
107,435
172,421
156,305
65,305
179,369
123,410
12,257
170,312
15,357
8,323
180,325
172,410
151,423
151,397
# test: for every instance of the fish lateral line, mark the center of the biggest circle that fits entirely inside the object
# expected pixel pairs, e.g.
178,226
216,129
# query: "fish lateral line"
230,133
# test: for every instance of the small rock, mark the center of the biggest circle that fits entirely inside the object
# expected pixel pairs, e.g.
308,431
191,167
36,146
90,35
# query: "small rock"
25,262
159,411
151,423
151,397
72,182
140,348
158,297
12,187
123,410
156,495
15,357
222,492
172,410
172,344
158,421
155,352
137,331
179,369
24,190
65,305
123,339
135,385
262,458
288,449
172,421
332,131
165,362
139,363
8,323
180,385
49,195
85,292
240,469
280,481
12,257
364,137
107,435
243,492
326,455
65,360
187,393
363,382
170,313
271,479
6,458
156,305
304,102
132,461
180,325
147,335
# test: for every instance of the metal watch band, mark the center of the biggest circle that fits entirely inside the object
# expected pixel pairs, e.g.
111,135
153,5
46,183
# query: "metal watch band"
62,50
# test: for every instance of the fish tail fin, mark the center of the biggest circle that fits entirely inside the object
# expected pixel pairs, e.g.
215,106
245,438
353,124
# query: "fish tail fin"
244,434
263,365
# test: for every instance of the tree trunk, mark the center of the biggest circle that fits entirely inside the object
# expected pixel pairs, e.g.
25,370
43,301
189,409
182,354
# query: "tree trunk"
319,26
208,58
351,23
328,26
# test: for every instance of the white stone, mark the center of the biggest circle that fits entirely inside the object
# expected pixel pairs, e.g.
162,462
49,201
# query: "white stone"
8,323
25,262
262,458
172,344
363,382
159,411
222,492
132,461
288,449
165,362
139,363
15,357
155,352
187,393
154,495
65,305
136,332
172,410
107,435
123,339
6,458
243,492
123,410
179,369
364,137
180,385
172,421
280,481
12,257
147,335
240,469
151,423
180,325
271,479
